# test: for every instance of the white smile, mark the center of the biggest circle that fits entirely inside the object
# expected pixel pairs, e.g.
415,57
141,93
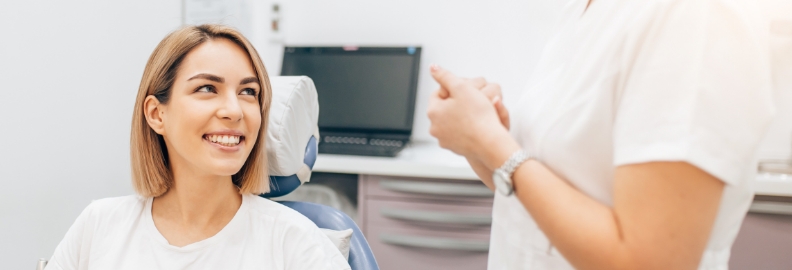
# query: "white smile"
224,140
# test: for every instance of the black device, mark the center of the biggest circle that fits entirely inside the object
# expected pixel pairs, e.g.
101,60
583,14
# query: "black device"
366,95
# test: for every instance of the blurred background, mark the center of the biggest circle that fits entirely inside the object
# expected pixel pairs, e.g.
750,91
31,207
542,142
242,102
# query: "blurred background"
70,70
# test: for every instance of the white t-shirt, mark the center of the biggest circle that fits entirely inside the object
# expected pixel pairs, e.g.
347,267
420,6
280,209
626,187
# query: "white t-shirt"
119,233
637,81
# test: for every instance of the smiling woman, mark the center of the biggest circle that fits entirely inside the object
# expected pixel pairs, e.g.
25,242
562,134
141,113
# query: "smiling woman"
200,89
198,162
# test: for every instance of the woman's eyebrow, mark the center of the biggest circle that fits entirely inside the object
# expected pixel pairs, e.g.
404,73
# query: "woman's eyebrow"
208,77
249,80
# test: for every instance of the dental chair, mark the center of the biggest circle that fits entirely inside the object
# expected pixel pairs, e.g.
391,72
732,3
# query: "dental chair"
292,143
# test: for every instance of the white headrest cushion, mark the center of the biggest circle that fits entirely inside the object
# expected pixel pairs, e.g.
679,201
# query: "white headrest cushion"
293,119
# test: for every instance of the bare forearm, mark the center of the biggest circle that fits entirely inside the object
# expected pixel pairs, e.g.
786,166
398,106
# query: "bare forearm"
482,171
555,193
584,230
661,217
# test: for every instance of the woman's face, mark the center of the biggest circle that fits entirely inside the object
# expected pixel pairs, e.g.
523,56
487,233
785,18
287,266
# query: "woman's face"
213,116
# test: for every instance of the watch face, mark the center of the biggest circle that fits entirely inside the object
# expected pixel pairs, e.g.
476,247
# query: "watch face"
502,183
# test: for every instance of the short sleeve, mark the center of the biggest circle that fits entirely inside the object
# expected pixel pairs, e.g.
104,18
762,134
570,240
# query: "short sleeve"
309,248
696,88
72,251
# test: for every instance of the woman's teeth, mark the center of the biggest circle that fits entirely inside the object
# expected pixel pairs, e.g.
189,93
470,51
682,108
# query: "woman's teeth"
226,140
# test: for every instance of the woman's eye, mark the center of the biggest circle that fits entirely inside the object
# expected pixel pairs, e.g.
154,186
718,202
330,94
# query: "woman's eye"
248,91
206,89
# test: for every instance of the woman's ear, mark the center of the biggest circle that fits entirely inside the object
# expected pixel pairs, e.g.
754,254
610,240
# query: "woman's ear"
153,110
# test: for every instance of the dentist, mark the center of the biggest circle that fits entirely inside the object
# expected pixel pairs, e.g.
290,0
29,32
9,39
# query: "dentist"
633,147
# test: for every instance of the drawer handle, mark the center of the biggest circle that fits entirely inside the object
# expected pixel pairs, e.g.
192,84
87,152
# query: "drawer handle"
445,189
435,243
778,208
436,217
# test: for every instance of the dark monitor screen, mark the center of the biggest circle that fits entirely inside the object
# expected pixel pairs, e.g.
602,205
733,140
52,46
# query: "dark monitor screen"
360,88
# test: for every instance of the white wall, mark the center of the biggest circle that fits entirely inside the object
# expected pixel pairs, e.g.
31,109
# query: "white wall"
500,40
69,72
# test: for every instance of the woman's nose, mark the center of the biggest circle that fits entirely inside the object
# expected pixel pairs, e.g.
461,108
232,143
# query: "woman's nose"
230,109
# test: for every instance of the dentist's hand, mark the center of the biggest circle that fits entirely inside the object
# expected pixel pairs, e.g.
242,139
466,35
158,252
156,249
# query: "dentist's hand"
463,117
493,93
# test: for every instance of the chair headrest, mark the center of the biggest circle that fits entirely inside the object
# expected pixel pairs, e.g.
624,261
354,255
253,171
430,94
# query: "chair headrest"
292,133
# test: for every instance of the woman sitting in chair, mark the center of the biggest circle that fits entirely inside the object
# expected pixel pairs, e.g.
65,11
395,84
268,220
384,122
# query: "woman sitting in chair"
198,161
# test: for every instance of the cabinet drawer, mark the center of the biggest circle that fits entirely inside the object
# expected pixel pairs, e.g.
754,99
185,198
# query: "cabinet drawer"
765,237
397,248
429,217
428,189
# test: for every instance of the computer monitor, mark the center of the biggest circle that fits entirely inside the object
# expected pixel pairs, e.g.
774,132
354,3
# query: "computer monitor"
365,93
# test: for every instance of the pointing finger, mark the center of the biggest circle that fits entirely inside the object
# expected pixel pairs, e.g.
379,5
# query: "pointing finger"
445,78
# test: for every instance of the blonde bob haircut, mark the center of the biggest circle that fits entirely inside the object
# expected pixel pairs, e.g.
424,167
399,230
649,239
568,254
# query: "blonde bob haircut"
151,174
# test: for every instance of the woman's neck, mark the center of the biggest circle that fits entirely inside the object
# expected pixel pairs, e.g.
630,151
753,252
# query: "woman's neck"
196,207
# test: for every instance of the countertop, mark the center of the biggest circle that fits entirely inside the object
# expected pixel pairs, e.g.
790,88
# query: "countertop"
428,160
419,159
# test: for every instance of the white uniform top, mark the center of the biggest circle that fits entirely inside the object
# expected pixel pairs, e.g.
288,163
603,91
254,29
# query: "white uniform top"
119,233
637,81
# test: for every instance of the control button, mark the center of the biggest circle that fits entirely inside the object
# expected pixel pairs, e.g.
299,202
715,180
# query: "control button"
389,143
345,140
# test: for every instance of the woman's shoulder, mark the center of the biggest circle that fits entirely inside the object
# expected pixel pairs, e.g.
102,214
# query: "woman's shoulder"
109,208
302,241
268,210
112,204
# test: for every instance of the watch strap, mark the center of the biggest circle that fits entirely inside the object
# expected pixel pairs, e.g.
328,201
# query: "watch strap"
514,161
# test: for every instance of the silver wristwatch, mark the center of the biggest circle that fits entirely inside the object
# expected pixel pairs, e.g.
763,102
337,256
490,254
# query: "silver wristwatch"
502,177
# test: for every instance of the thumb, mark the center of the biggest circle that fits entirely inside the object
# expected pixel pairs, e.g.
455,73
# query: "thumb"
445,78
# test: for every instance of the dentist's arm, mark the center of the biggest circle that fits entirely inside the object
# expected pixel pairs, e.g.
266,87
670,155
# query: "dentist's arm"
481,171
662,213
493,93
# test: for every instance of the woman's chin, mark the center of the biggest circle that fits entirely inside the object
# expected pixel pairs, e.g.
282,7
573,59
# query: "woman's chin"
226,169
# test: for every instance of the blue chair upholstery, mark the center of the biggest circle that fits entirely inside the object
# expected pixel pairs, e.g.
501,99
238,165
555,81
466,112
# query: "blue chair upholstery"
282,185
